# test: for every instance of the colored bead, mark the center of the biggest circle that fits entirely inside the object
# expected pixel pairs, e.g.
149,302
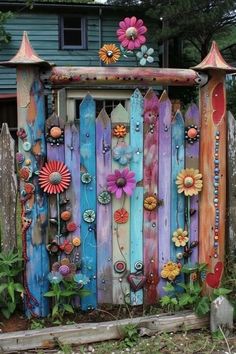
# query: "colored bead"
26,146
216,161
216,200
216,237
215,255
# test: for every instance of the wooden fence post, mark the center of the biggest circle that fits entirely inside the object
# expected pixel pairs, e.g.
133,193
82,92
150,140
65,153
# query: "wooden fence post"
8,190
213,160
30,159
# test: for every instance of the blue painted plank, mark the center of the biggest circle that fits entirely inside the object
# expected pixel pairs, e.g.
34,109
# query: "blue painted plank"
177,200
136,209
32,119
88,198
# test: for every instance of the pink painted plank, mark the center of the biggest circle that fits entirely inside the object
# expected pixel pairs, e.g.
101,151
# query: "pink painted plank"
104,212
192,117
150,180
165,116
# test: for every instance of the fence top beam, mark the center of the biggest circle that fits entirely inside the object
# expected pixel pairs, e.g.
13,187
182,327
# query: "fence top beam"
60,76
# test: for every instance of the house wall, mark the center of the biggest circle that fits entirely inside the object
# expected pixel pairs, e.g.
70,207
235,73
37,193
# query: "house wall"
43,31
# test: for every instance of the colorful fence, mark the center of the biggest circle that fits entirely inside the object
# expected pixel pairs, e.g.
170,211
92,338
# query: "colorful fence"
121,239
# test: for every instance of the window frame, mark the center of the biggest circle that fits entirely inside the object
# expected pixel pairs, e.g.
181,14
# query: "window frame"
83,33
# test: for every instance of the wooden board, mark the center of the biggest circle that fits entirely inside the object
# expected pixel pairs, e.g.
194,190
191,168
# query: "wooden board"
165,117
104,211
136,203
8,191
121,232
231,187
213,113
177,219
88,198
72,161
192,117
79,334
150,184
31,117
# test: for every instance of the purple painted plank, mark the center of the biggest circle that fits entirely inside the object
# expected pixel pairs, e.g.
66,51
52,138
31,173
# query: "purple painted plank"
104,217
165,116
192,117
72,161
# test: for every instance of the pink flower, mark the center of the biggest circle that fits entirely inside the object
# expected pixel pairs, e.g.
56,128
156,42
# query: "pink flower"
121,182
130,33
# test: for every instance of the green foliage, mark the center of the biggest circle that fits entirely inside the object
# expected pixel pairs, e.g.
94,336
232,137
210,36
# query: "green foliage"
10,289
5,37
62,294
37,324
191,297
130,335
231,96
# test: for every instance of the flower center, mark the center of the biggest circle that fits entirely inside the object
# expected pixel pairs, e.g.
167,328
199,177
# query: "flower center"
131,33
64,269
192,133
121,182
110,53
145,56
55,178
188,182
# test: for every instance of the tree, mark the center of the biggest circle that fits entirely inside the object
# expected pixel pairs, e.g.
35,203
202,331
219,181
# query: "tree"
197,22
4,36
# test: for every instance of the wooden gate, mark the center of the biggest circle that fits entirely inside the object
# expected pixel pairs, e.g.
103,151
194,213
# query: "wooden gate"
123,189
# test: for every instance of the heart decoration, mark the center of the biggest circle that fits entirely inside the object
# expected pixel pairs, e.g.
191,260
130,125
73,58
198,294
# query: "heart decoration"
213,279
136,281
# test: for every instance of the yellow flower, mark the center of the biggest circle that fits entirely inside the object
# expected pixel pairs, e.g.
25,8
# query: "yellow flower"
76,241
170,270
109,53
180,237
189,181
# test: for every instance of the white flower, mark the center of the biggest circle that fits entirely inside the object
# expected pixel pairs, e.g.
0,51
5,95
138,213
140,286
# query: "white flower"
145,55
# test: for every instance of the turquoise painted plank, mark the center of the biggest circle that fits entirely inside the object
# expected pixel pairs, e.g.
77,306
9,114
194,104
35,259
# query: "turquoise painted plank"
165,116
177,200
136,210
88,198
37,265
104,211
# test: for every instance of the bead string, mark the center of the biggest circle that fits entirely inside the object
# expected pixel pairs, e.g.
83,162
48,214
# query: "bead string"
216,197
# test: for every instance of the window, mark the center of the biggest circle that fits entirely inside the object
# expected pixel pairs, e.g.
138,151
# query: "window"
72,32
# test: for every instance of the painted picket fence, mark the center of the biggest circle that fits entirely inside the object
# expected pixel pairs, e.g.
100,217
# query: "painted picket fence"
123,244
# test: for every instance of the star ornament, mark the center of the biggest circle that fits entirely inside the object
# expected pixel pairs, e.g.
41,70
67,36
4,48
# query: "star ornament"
54,177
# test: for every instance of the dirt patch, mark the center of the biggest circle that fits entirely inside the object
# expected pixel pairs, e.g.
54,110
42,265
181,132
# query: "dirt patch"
17,322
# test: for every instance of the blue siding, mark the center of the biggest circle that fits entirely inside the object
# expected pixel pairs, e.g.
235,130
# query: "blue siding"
43,34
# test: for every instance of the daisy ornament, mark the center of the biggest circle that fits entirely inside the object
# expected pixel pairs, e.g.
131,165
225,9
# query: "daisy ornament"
180,237
189,182
121,182
131,33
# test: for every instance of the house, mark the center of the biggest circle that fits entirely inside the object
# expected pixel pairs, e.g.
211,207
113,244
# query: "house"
66,33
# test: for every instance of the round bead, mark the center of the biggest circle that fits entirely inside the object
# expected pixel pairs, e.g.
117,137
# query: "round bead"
120,266
26,146
192,133
55,132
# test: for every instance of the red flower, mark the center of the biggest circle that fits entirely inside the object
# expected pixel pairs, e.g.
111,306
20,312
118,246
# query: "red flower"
54,177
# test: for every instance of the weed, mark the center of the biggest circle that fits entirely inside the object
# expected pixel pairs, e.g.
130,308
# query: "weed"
37,324
130,335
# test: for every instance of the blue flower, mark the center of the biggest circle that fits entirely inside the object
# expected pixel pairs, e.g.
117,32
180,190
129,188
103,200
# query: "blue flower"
55,277
81,279
145,55
123,154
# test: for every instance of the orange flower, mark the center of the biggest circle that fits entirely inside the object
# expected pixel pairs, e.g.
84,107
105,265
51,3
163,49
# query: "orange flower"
109,53
119,131
121,216
150,203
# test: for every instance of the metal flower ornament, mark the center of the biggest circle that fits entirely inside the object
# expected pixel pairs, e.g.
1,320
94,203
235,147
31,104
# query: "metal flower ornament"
131,35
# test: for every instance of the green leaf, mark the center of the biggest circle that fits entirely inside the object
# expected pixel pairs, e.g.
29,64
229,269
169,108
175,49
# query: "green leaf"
68,308
19,287
174,301
184,299
11,307
67,293
84,292
50,294
165,300
11,291
203,306
5,312
221,291
169,287
183,285
55,310
2,287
